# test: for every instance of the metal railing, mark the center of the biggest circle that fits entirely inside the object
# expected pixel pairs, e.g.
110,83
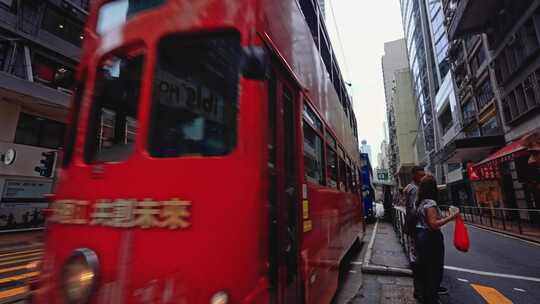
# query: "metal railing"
398,221
524,222
521,222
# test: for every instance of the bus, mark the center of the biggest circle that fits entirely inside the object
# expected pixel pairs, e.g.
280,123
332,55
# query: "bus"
212,157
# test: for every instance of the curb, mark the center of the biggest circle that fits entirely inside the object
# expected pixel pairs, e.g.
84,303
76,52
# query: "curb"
21,230
386,270
367,267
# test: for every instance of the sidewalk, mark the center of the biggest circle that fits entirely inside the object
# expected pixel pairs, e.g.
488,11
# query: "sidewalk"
384,276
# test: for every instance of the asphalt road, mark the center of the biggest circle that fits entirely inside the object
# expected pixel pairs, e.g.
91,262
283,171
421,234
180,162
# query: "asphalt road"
497,269
17,251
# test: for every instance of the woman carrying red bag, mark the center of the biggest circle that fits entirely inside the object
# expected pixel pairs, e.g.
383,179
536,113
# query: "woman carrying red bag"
429,238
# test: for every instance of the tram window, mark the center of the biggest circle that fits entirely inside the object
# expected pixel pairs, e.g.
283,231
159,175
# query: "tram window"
313,156
113,121
72,130
331,167
272,85
195,94
117,12
330,140
311,118
342,175
349,178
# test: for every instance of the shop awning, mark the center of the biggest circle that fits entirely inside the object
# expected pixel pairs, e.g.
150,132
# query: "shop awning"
469,149
504,154
489,168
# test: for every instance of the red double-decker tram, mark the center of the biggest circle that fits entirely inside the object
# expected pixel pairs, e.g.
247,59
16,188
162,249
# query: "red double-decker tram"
212,158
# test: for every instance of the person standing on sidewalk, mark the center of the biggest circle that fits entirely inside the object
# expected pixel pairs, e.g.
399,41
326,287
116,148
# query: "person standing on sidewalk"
410,193
429,239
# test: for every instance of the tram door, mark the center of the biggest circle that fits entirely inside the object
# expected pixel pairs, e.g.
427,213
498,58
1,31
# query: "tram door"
284,187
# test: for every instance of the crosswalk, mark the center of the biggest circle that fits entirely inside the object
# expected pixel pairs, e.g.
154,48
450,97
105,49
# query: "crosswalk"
15,272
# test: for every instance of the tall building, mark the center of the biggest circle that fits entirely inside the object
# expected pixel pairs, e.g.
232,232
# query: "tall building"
440,97
322,6
39,51
497,46
401,114
365,148
423,69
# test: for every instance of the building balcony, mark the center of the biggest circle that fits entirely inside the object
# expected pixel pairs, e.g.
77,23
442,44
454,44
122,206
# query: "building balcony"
34,95
471,16
455,50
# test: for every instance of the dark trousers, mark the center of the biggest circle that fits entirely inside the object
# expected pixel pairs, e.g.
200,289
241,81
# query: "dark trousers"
417,279
430,250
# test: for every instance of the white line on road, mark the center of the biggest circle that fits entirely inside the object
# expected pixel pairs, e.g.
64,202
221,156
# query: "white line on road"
504,235
463,280
493,274
356,263
519,289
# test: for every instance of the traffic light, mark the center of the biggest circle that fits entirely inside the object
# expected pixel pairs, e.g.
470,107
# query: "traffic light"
47,168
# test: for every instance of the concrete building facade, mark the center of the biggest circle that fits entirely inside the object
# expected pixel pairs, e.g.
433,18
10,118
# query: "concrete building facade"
39,52
401,110
510,30
406,124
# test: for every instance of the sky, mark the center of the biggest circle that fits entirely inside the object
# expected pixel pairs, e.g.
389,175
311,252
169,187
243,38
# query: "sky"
364,26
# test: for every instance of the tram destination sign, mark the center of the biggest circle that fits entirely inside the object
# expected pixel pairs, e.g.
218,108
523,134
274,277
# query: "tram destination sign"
123,213
177,92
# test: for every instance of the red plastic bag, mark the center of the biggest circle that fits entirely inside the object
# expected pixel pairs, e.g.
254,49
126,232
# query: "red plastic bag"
461,235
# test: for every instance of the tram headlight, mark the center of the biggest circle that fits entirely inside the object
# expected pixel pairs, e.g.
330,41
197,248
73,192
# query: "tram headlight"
220,297
79,276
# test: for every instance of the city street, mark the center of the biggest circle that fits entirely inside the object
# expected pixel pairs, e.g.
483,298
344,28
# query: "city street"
497,269
17,251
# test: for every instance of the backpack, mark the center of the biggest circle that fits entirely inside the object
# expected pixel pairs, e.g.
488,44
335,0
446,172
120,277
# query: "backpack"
411,219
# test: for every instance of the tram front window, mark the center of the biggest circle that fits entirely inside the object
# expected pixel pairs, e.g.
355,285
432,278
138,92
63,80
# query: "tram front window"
115,13
194,103
113,120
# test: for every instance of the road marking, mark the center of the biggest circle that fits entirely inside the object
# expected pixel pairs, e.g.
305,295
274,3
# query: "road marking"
20,261
491,295
463,280
352,271
356,263
13,292
519,289
20,256
20,252
19,277
493,274
4,270
505,235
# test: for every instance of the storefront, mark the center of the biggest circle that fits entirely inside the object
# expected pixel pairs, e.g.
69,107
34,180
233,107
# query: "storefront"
508,179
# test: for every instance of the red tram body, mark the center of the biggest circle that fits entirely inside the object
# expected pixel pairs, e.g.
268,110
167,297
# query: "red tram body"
198,171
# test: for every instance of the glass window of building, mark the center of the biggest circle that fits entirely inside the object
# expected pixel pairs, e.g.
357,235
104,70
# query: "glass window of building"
445,120
4,53
38,131
10,5
63,26
51,73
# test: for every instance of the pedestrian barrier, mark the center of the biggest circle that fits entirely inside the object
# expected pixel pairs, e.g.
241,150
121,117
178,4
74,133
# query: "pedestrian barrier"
521,222
398,221
518,222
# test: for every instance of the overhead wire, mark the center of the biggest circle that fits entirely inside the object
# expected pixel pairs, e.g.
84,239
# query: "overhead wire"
340,42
